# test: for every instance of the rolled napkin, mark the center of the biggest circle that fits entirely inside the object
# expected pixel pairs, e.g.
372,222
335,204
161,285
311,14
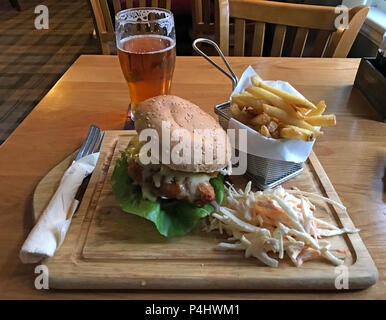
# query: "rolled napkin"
49,232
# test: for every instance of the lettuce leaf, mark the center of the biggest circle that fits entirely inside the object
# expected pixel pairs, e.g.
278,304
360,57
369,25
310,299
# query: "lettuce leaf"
172,218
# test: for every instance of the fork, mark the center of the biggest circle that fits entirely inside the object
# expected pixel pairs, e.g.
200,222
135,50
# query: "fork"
92,140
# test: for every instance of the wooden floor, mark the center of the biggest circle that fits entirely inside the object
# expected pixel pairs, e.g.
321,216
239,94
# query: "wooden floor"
31,61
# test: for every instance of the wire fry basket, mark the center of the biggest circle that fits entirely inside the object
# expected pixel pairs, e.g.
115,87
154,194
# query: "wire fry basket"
265,173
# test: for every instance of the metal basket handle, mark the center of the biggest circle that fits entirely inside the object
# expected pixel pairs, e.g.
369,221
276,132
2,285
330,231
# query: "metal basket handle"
231,76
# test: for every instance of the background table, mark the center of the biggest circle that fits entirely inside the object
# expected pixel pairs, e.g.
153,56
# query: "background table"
93,90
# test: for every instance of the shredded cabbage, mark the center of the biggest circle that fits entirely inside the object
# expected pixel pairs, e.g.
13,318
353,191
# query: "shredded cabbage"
277,221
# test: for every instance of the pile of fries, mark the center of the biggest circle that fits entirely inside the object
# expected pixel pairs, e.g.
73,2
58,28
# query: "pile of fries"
277,114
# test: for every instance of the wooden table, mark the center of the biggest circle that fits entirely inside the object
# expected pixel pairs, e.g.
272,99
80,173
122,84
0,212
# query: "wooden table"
93,90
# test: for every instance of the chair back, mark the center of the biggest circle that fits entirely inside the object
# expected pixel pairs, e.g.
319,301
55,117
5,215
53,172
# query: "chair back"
203,22
328,41
103,12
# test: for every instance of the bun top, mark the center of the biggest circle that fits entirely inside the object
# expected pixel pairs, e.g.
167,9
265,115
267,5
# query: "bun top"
194,135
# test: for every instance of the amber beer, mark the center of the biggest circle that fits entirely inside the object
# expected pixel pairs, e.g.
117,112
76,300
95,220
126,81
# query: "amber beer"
147,62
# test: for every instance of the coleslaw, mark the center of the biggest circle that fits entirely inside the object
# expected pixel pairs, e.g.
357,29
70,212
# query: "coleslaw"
277,221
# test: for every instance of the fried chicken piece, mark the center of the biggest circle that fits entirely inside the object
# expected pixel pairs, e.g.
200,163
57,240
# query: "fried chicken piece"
202,194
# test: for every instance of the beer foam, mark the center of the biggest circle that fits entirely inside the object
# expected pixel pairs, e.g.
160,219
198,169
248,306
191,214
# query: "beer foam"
141,15
170,40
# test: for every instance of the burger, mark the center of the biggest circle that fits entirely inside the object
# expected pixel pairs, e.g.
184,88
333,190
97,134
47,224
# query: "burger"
172,172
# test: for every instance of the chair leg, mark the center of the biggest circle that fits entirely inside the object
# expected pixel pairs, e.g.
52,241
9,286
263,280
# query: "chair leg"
105,48
15,4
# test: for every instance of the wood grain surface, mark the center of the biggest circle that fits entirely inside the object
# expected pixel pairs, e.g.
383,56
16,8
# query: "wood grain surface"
93,90
103,238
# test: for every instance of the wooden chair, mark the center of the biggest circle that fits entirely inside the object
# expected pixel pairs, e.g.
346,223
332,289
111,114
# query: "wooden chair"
204,16
329,41
103,22
203,23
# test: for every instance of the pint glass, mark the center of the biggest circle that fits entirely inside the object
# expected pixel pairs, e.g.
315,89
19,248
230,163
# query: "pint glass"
146,46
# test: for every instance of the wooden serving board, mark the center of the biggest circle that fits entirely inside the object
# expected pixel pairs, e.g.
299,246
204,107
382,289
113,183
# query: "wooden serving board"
106,248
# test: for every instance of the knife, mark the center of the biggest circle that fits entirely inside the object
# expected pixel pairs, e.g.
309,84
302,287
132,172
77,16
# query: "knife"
82,188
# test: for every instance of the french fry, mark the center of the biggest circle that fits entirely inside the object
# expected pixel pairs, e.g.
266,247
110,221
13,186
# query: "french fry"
307,135
303,111
300,129
238,114
234,109
325,120
300,115
260,119
256,80
252,112
272,126
247,99
300,112
286,118
292,133
256,92
290,98
320,107
264,131
255,127
275,134
273,99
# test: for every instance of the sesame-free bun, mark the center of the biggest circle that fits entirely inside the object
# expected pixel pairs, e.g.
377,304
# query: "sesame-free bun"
183,114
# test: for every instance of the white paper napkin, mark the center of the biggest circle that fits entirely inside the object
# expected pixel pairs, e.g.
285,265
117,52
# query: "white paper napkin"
49,232
293,150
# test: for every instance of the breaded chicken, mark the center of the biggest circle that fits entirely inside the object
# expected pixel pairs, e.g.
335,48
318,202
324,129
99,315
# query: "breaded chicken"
194,187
